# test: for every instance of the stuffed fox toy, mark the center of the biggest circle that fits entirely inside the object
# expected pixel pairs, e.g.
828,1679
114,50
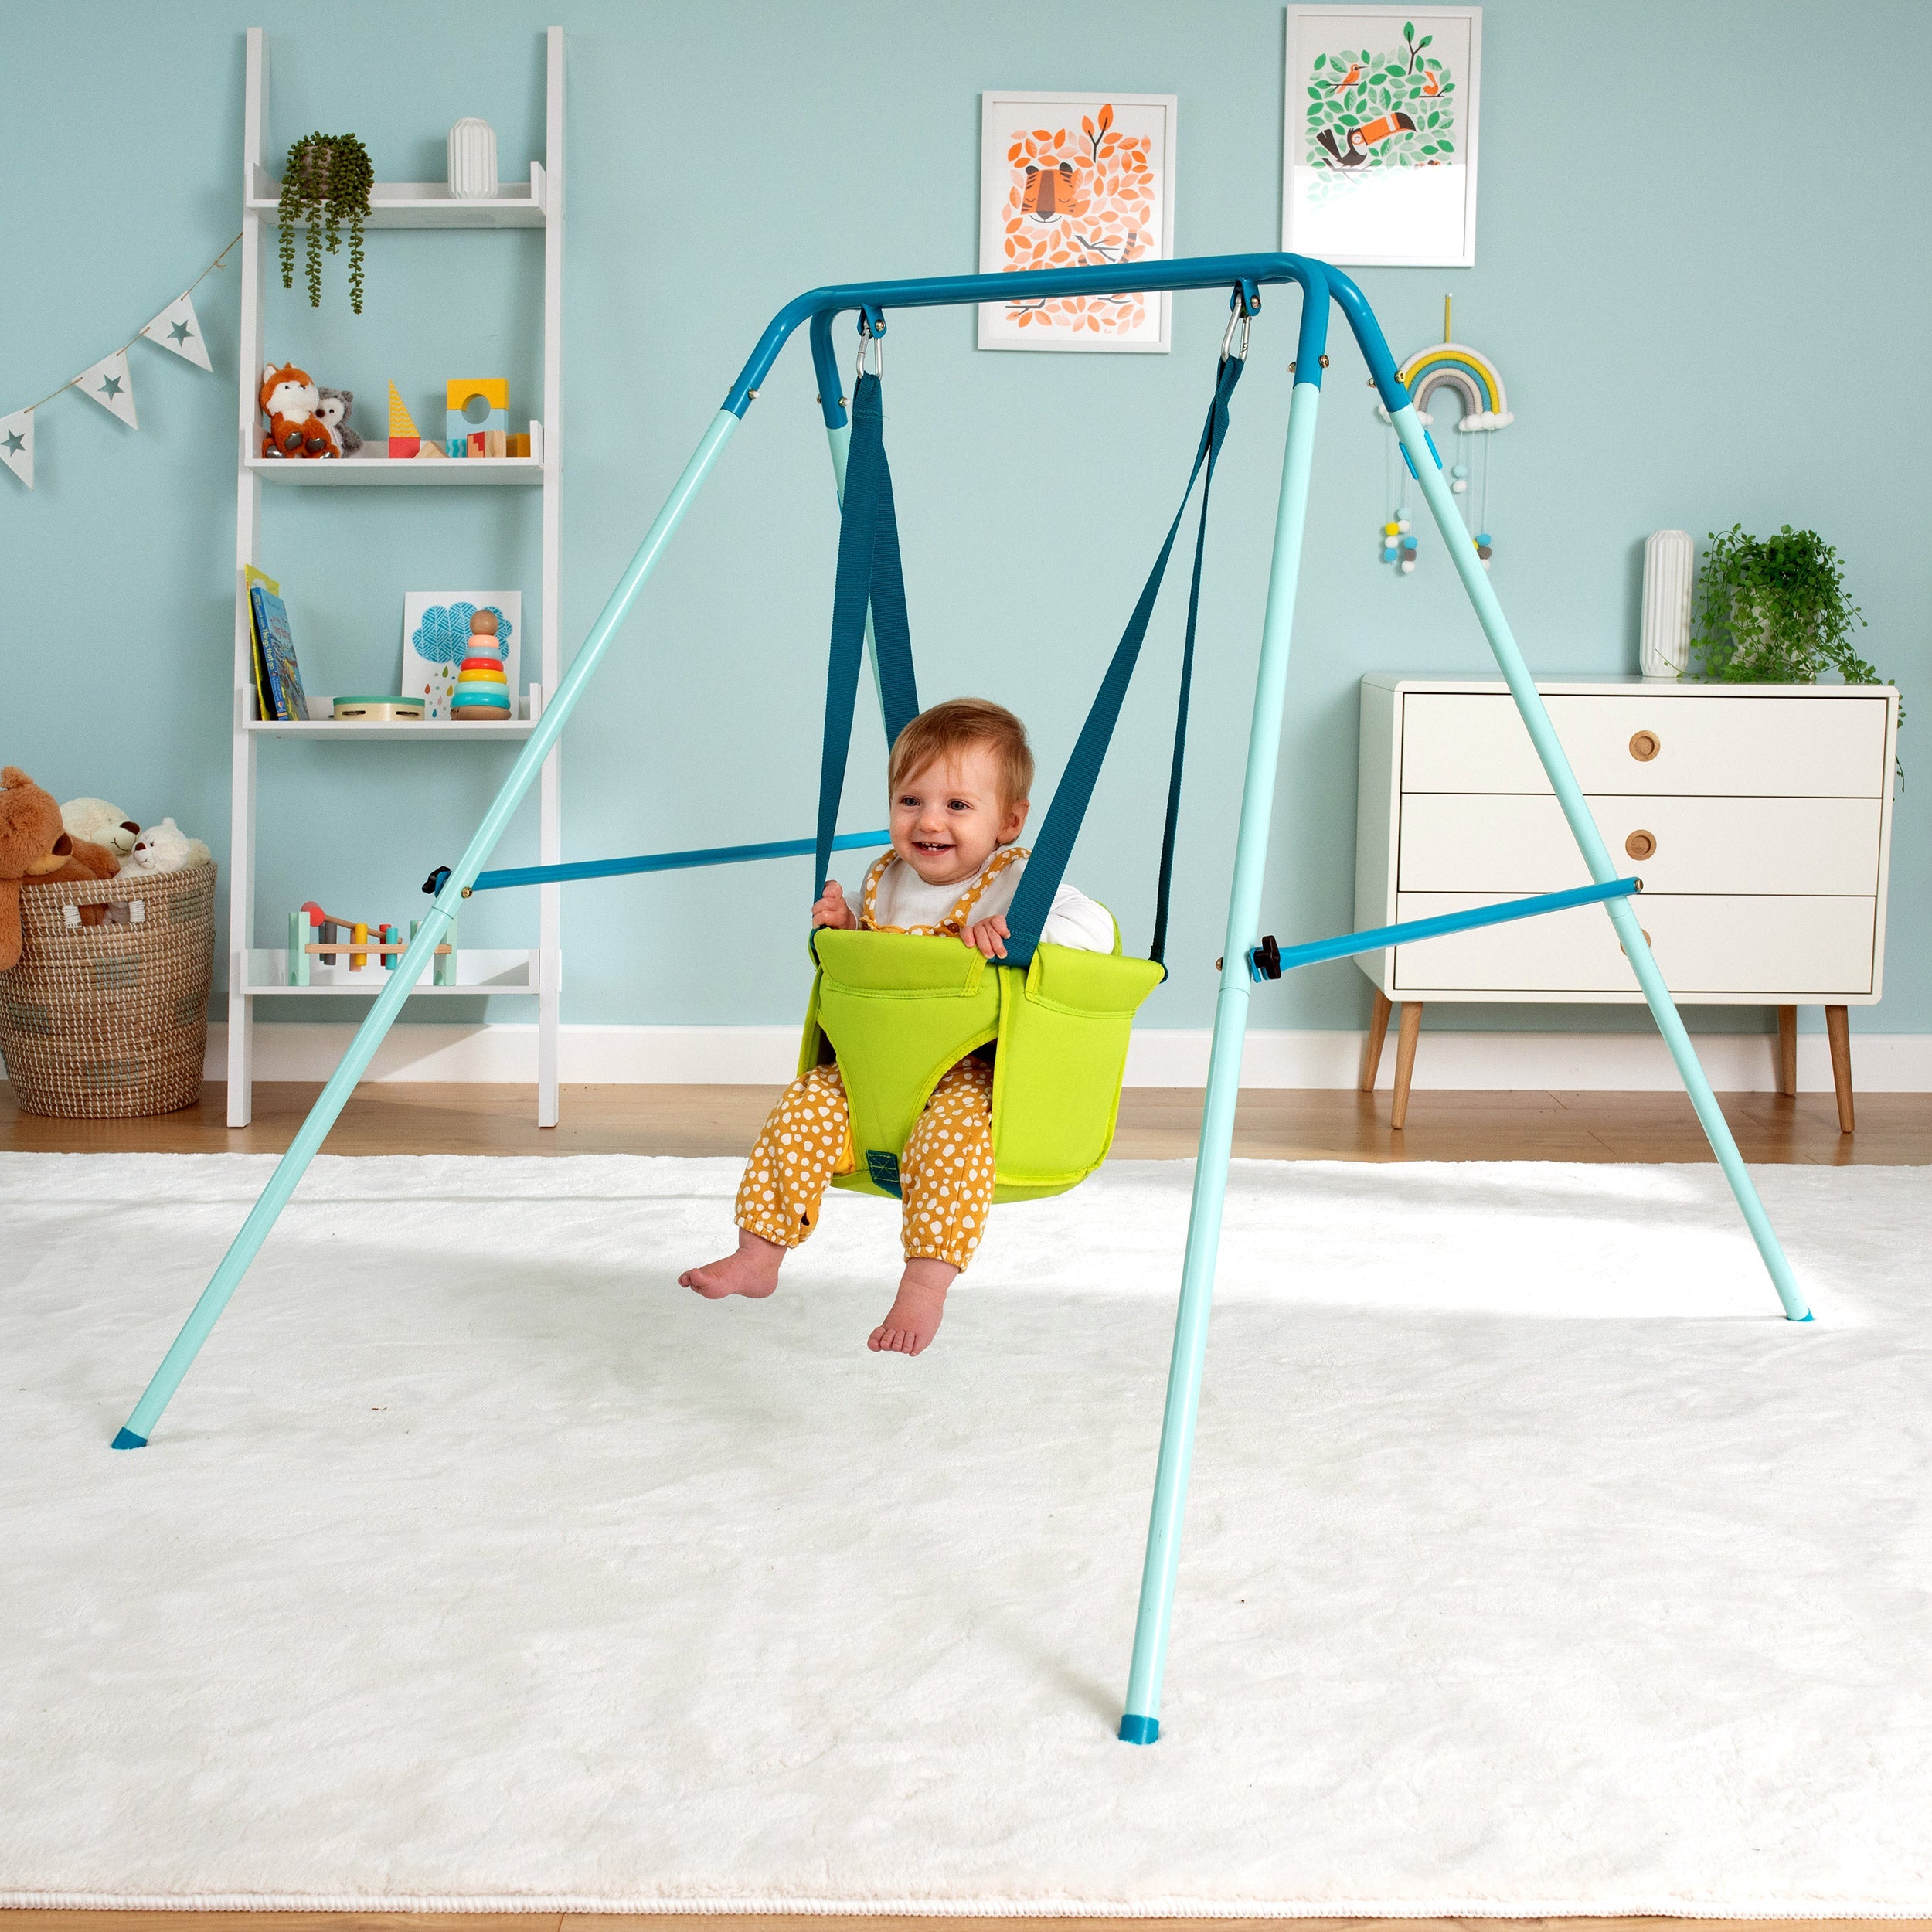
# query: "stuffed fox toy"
36,848
290,400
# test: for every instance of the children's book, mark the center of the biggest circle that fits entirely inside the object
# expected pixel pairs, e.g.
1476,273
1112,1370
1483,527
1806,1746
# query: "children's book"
435,640
278,677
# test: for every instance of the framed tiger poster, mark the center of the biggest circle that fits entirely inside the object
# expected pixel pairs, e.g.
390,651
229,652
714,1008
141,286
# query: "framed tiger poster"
1379,166
1073,181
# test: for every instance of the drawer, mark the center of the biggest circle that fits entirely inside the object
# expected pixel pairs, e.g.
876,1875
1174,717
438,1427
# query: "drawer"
1471,843
1757,948
1795,746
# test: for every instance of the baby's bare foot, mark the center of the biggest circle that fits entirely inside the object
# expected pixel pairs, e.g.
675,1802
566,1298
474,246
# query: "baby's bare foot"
912,1319
752,1270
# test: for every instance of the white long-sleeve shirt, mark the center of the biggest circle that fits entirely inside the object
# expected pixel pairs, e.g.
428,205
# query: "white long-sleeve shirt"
896,898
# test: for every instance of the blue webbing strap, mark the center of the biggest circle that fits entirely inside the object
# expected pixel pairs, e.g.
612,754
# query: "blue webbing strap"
1027,916
870,573
1157,951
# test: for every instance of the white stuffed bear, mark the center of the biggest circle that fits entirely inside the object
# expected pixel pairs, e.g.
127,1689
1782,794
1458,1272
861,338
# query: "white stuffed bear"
105,824
166,847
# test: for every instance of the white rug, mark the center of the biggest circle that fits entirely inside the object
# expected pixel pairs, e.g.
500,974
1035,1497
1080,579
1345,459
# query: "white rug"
1534,1564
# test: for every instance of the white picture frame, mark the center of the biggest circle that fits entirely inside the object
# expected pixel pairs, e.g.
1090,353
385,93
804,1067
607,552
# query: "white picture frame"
430,668
1123,145
1405,197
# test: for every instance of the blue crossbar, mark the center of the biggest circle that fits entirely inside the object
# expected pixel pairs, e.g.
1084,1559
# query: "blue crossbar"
1349,944
668,861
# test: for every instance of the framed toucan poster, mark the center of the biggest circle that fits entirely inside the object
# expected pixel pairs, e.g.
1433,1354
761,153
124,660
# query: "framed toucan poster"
1379,169
1073,181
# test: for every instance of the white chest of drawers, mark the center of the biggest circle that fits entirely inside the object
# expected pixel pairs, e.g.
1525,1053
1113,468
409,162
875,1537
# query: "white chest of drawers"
1759,818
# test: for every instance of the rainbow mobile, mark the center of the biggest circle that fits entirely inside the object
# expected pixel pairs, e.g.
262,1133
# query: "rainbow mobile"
1476,383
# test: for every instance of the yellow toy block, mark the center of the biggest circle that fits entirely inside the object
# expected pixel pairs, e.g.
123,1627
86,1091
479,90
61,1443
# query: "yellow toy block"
494,389
493,392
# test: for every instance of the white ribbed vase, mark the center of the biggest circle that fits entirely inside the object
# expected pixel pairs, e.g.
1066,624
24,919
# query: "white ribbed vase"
472,160
1670,563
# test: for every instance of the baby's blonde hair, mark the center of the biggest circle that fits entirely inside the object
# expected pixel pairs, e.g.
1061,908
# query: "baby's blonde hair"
947,729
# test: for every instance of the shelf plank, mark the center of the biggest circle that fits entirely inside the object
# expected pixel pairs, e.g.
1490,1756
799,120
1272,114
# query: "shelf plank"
428,204
436,731
449,731
419,472
480,970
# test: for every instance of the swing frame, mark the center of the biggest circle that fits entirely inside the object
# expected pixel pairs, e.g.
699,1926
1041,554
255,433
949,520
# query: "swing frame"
1322,287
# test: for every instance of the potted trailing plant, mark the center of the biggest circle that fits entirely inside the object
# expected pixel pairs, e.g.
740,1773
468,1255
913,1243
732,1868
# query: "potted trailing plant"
325,183
1773,611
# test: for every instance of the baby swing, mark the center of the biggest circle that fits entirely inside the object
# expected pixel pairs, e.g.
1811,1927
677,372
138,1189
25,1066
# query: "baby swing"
899,1010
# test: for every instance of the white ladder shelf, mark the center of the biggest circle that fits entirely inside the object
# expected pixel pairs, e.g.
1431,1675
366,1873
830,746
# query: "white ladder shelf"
256,972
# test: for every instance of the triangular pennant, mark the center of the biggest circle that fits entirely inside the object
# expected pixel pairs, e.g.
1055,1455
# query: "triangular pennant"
177,327
16,444
108,383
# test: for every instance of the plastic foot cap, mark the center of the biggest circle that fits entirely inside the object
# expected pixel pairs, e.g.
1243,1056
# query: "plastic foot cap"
128,1440
1805,1317
1139,1731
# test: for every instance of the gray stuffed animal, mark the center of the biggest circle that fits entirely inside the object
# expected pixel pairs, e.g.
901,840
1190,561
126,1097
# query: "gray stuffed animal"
333,408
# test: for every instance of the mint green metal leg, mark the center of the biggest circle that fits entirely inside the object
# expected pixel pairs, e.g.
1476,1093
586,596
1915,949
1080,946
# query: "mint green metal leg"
322,1117
1141,1724
1623,915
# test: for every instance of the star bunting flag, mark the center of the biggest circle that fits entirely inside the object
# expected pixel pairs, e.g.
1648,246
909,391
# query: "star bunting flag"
16,444
108,383
177,328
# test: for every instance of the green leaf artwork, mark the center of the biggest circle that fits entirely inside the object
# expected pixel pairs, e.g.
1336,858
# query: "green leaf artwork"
1386,110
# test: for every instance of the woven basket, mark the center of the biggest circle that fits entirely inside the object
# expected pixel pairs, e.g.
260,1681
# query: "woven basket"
100,1022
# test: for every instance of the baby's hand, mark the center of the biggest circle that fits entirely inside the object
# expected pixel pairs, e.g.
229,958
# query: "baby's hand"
989,936
832,910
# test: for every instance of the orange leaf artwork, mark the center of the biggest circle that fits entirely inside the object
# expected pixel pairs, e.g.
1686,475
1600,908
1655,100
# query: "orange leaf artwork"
1078,199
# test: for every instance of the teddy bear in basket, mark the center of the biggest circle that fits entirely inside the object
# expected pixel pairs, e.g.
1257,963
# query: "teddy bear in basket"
166,847
36,848
105,824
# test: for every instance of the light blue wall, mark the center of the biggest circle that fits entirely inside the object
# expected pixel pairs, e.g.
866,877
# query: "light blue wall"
1707,287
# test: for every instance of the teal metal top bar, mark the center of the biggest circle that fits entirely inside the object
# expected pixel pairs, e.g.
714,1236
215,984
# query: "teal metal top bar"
667,861
1272,966
1319,283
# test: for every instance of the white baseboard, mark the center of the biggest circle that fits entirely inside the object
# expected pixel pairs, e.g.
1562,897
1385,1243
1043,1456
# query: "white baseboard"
762,1055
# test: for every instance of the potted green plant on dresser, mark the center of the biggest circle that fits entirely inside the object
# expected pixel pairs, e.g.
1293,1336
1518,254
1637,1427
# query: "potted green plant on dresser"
1773,609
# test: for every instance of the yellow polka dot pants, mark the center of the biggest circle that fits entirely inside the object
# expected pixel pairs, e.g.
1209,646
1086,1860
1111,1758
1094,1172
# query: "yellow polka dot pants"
945,1173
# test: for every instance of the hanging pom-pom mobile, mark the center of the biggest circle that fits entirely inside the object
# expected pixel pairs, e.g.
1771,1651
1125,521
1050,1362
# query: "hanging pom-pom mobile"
1476,383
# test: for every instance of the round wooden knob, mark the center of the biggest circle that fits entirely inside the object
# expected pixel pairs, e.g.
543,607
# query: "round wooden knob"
1639,845
1644,745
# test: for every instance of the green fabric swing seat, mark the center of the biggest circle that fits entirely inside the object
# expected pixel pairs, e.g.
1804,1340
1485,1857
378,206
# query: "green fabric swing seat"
896,1010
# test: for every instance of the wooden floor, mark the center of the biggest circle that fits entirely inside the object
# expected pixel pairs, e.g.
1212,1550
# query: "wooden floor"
69,1921
1157,1123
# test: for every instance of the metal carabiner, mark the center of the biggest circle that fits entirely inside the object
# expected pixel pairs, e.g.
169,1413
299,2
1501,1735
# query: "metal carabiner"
1238,317
868,334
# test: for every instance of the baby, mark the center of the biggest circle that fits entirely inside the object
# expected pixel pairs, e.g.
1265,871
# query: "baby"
959,777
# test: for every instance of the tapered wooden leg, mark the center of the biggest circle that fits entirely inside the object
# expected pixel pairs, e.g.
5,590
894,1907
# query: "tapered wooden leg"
1372,1047
1787,1050
1838,1027
1407,1035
